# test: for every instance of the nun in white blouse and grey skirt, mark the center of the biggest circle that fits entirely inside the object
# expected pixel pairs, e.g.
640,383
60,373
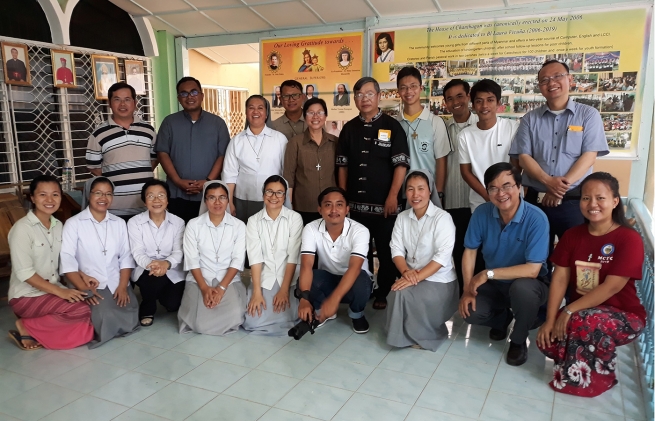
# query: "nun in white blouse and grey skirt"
214,299
427,294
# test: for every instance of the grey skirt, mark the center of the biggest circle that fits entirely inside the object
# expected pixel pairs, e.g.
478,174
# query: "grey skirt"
417,315
109,320
271,323
247,208
225,318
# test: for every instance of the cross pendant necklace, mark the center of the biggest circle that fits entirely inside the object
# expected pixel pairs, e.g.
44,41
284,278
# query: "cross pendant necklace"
253,148
155,239
104,245
414,135
414,129
318,166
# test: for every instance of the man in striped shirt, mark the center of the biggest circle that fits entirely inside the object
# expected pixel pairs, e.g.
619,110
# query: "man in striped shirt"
122,149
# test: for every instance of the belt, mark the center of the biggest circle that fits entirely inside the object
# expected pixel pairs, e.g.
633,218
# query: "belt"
574,194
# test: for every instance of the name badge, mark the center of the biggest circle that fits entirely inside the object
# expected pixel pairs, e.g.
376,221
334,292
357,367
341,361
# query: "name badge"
575,128
384,135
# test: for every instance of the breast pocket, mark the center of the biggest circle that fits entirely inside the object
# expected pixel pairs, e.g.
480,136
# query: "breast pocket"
381,149
573,143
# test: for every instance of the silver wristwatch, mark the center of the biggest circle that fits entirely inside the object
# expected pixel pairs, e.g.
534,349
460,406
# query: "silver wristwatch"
490,274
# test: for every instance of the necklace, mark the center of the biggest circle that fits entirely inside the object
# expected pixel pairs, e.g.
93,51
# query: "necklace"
46,237
418,239
253,148
608,230
414,129
104,245
155,239
272,239
216,249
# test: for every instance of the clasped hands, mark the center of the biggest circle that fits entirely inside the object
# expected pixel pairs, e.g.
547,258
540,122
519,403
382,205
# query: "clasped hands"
557,188
190,186
212,296
409,278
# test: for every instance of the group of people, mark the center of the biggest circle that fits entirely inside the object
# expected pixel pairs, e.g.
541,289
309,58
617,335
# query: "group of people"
461,214
510,65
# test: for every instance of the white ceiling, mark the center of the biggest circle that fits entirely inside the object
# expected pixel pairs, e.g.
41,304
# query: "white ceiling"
231,54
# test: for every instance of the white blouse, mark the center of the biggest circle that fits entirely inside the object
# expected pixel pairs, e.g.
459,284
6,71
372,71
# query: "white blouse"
148,243
275,243
214,249
430,238
250,160
99,249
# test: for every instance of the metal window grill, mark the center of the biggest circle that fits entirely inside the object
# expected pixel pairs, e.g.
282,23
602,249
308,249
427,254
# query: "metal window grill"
41,126
227,103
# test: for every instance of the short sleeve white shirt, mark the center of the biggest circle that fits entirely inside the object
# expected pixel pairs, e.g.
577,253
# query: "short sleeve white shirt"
334,256
149,242
483,148
99,249
214,249
275,243
430,238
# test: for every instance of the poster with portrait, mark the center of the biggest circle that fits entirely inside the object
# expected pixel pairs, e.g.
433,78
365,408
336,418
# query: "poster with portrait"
105,74
135,76
63,69
327,66
16,64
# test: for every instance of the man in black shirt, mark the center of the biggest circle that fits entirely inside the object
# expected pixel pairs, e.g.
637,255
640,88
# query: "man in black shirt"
372,159
16,69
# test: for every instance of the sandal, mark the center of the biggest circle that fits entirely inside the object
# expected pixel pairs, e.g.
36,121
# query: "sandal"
147,321
18,339
380,304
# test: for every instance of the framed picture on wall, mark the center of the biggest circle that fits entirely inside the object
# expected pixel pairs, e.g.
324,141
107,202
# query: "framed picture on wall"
105,74
16,64
134,76
63,69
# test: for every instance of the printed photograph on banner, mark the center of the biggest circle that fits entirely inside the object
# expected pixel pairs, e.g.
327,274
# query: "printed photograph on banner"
345,57
274,61
432,69
601,62
16,64
425,90
394,69
390,108
437,106
276,100
591,100
436,88
459,68
311,91
573,60
334,127
612,122
619,140
531,85
383,48
135,76
521,65
617,81
619,102
391,93
341,95
584,82
510,85
63,69
527,103
504,105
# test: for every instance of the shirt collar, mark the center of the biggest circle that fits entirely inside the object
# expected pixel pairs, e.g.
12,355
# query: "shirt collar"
431,211
266,132
86,214
375,117
346,227
144,217
34,220
469,122
284,213
188,117
111,121
286,120
227,220
308,138
518,217
570,105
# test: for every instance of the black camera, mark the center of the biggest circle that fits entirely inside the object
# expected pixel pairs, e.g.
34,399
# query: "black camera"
299,330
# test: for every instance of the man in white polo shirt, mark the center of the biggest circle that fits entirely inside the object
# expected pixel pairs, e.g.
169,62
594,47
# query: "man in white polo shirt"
341,245
485,143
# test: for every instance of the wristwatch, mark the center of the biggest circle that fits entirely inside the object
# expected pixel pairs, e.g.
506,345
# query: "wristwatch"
490,274
567,311
303,294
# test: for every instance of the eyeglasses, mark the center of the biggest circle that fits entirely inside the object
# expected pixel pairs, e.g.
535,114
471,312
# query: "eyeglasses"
118,100
290,96
278,194
316,113
545,80
367,95
98,194
506,188
412,87
213,199
160,196
185,94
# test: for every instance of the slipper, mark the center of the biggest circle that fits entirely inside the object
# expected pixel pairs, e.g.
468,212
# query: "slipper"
380,304
147,321
17,338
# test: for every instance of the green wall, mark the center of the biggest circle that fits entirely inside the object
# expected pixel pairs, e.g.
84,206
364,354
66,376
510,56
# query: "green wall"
165,77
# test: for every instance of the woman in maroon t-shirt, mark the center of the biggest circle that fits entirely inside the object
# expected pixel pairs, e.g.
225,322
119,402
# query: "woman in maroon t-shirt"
598,262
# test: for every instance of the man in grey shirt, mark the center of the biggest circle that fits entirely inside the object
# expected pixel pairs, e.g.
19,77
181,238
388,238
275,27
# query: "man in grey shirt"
291,123
190,147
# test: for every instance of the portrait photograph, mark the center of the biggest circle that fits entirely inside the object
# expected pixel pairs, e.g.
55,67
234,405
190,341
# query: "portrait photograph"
63,69
274,61
345,57
341,95
135,76
105,74
383,47
276,100
16,64
311,91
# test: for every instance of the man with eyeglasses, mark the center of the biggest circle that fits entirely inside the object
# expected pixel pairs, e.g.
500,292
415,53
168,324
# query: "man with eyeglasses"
122,149
513,237
292,121
557,145
191,148
372,160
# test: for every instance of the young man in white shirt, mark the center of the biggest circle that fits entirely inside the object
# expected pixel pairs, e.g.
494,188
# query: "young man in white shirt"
485,143
341,245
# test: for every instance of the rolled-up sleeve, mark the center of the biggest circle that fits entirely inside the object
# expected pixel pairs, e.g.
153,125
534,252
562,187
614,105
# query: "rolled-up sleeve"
254,242
396,243
231,163
239,250
20,249
137,245
191,252
295,238
67,256
444,240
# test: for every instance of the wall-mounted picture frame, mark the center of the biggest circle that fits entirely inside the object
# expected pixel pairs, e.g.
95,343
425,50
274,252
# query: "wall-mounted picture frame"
135,76
105,74
16,64
63,69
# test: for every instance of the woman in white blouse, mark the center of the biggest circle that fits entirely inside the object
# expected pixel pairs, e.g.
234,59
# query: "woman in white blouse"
251,157
214,300
273,237
427,294
95,257
156,243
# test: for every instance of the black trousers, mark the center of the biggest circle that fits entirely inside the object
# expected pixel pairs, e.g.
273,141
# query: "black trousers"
461,218
185,209
308,217
158,288
381,229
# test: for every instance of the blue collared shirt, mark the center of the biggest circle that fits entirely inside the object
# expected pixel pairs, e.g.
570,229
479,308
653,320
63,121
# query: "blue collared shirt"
523,240
557,141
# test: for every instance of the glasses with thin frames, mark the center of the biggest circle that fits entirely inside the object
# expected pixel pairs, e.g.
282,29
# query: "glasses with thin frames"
222,198
98,194
316,113
278,194
506,188
185,94
367,95
160,196
412,87
290,96
545,80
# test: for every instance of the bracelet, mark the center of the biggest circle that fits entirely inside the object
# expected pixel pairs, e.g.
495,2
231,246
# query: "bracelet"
222,287
567,311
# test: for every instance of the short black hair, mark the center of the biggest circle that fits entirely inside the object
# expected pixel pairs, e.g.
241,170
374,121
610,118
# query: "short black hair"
363,81
456,82
547,62
154,182
496,169
291,84
186,79
345,52
486,85
120,85
408,71
312,101
43,178
216,185
275,179
309,86
101,180
332,190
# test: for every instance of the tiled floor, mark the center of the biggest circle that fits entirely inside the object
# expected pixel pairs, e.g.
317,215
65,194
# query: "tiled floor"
157,374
